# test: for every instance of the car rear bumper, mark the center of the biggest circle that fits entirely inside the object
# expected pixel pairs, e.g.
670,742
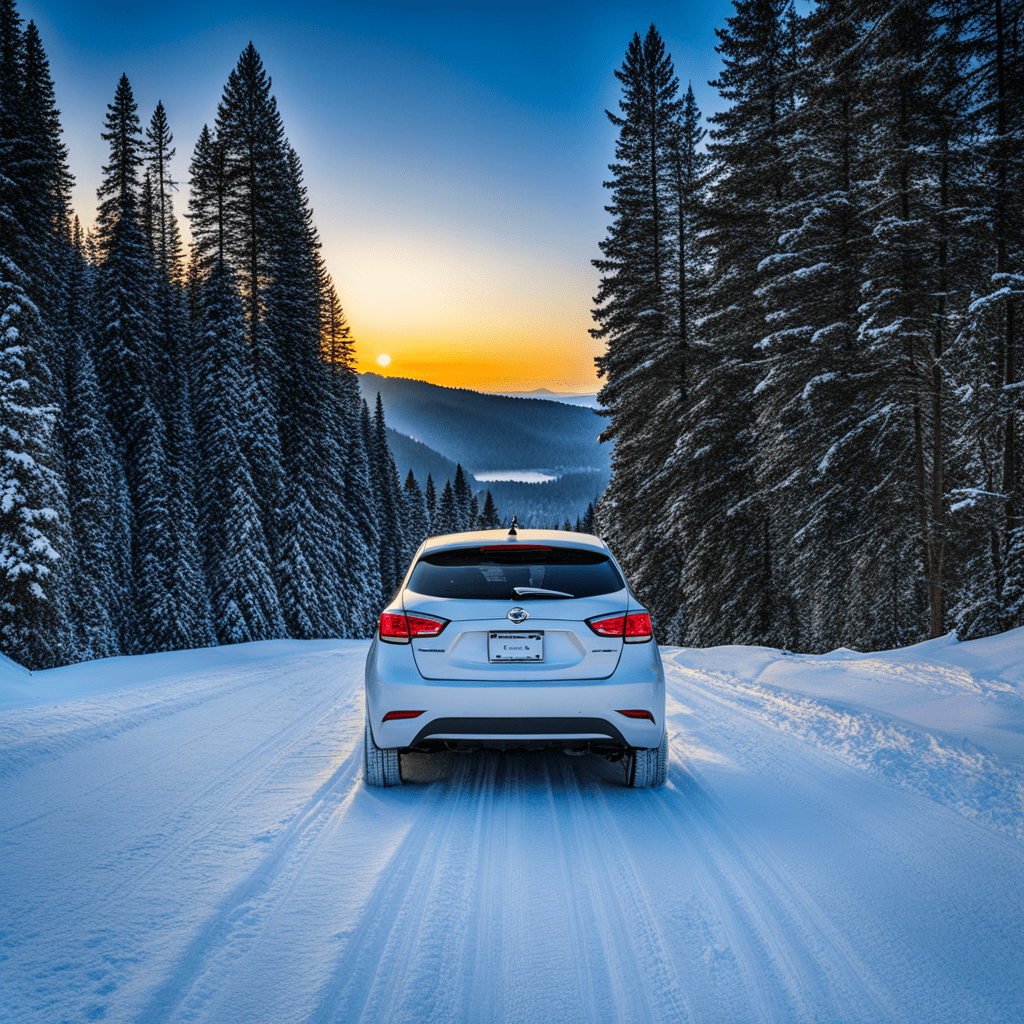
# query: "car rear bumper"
522,713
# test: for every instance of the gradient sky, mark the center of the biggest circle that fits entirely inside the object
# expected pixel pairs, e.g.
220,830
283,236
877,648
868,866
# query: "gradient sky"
454,152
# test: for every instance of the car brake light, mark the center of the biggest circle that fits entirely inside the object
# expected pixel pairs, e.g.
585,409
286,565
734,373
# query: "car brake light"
637,713
399,627
638,628
394,628
425,625
609,626
634,628
392,715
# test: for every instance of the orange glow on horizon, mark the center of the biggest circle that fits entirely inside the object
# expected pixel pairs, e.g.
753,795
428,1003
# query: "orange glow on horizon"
459,311
511,366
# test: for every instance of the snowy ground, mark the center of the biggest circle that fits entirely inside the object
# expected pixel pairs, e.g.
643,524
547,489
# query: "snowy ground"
186,837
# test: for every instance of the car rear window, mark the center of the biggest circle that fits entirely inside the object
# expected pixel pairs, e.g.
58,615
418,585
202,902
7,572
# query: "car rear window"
493,573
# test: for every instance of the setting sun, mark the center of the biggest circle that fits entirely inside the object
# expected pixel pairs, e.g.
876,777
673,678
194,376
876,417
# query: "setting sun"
383,359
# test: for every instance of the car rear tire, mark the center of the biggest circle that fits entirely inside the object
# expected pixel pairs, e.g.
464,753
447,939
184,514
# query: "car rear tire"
648,767
382,766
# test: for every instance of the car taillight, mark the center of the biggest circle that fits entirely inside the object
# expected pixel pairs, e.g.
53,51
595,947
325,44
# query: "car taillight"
634,628
425,625
638,628
400,628
611,626
393,716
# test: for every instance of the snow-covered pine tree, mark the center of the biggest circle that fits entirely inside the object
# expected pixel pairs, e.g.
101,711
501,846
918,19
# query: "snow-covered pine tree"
635,304
96,501
431,499
248,128
667,484
46,182
343,461
463,498
362,565
447,511
30,491
907,186
489,519
388,493
817,467
173,385
731,576
989,509
310,559
238,566
415,510
126,338
34,537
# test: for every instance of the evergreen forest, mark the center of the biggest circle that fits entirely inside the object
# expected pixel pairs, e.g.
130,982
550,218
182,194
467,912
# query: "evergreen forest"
812,334
185,458
808,304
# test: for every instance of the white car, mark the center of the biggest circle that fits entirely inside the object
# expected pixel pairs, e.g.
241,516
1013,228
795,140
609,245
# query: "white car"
530,638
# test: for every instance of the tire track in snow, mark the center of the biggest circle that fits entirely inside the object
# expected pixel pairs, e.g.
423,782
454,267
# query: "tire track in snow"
375,951
645,984
240,782
235,913
215,821
195,816
792,959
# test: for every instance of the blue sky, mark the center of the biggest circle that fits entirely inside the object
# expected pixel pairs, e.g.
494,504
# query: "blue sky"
454,152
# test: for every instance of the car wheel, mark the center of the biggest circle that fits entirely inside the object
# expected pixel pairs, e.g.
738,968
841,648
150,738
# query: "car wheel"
648,767
381,765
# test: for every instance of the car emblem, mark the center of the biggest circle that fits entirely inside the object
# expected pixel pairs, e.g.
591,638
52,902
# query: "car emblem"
518,615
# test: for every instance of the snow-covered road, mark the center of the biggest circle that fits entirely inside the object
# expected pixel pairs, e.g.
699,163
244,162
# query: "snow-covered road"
186,837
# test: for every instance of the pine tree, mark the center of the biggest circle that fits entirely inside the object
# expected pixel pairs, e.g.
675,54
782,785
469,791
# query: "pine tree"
96,505
431,499
634,302
362,564
731,573
908,276
127,338
34,536
464,516
588,519
415,511
173,386
243,594
447,511
817,465
389,503
489,519
335,333
307,564
30,491
990,509
250,132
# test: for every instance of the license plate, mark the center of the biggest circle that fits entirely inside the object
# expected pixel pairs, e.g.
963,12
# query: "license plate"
515,646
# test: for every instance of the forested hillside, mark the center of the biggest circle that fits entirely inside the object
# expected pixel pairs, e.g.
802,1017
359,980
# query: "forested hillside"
489,432
812,327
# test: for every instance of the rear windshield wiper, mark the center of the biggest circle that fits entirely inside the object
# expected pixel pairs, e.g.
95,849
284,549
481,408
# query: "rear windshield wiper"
539,592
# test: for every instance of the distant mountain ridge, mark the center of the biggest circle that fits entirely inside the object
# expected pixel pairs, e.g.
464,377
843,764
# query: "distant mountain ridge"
546,394
492,432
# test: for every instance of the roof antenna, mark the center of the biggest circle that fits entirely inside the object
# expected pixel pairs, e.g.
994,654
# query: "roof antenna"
512,532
